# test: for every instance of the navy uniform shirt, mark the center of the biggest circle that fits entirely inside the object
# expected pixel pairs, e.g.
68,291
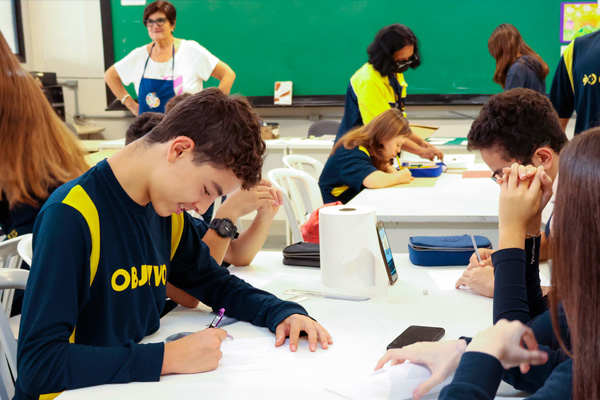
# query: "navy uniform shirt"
576,84
98,285
522,75
344,173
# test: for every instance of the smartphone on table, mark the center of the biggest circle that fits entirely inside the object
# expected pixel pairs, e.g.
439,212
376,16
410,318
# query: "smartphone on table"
414,334
386,253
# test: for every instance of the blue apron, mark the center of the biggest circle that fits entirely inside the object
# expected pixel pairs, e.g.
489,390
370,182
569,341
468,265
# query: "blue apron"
154,93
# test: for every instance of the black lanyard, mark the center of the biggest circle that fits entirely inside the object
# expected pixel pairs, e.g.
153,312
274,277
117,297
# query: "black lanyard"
149,54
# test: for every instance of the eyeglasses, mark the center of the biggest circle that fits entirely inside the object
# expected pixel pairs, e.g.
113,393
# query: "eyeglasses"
408,61
499,174
159,21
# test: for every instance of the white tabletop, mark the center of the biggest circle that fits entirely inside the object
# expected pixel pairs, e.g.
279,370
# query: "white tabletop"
453,199
360,330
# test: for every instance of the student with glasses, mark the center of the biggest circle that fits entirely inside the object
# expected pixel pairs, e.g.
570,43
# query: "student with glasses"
166,67
517,126
379,84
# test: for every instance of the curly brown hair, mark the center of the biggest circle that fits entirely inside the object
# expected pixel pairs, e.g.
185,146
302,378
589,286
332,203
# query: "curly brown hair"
225,130
143,124
519,120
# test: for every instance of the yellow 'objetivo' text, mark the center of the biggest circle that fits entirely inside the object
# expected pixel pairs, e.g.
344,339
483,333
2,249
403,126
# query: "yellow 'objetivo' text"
123,279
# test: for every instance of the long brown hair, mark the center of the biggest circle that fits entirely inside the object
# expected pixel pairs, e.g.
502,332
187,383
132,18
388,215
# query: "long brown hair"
372,136
37,152
506,45
576,259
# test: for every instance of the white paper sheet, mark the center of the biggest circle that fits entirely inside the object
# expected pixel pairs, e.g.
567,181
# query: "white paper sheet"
397,382
254,354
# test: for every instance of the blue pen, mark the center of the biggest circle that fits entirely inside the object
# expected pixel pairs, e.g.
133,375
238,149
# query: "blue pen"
215,322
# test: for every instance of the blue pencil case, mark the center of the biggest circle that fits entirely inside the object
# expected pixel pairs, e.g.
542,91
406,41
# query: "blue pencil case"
425,171
430,251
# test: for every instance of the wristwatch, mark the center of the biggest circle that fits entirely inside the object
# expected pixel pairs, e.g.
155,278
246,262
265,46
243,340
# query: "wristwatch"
224,227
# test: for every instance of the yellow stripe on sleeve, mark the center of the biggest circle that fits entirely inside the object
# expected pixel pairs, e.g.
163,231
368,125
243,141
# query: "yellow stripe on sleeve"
177,222
568,59
79,200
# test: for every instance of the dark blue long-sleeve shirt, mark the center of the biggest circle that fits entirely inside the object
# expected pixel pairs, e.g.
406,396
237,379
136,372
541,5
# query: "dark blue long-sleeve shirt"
517,296
98,285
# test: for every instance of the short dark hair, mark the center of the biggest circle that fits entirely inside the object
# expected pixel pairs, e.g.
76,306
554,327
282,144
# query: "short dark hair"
519,121
161,5
389,40
175,100
143,124
225,131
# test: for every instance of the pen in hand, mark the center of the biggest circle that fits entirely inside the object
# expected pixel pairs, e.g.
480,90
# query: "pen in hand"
215,322
476,250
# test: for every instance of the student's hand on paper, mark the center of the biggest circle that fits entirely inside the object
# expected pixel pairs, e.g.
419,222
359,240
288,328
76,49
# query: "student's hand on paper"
441,358
486,259
512,343
404,176
480,279
296,323
198,352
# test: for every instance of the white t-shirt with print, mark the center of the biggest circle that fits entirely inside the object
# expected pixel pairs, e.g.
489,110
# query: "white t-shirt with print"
193,65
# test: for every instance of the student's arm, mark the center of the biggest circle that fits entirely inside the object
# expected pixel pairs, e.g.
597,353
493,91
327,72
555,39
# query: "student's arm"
113,80
242,250
57,290
193,270
240,203
480,370
380,179
225,75
422,148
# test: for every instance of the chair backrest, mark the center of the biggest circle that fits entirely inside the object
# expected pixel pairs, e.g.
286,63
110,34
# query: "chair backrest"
24,248
9,258
301,196
10,279
320,128
301,162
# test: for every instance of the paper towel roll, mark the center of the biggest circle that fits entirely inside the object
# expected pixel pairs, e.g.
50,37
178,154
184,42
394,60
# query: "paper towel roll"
351,259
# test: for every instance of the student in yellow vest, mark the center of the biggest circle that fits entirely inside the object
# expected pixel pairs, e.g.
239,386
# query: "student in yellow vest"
379,84
362,159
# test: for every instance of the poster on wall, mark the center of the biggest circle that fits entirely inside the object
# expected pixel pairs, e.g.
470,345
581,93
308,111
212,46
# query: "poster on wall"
578,19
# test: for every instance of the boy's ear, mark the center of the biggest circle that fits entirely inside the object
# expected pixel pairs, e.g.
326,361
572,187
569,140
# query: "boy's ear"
546,157
178,147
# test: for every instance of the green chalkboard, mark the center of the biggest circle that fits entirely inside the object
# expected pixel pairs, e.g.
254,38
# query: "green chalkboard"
319,44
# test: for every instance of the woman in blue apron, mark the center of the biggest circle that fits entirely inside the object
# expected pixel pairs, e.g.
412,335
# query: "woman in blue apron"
154,93
157,81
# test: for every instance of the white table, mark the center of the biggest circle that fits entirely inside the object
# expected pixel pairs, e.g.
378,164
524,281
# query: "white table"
360,330
454,206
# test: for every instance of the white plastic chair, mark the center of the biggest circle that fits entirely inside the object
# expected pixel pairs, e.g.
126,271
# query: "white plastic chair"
301,197
301,162
10,258
10,279
24,248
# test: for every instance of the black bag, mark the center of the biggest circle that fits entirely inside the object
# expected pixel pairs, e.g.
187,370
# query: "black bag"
302,254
